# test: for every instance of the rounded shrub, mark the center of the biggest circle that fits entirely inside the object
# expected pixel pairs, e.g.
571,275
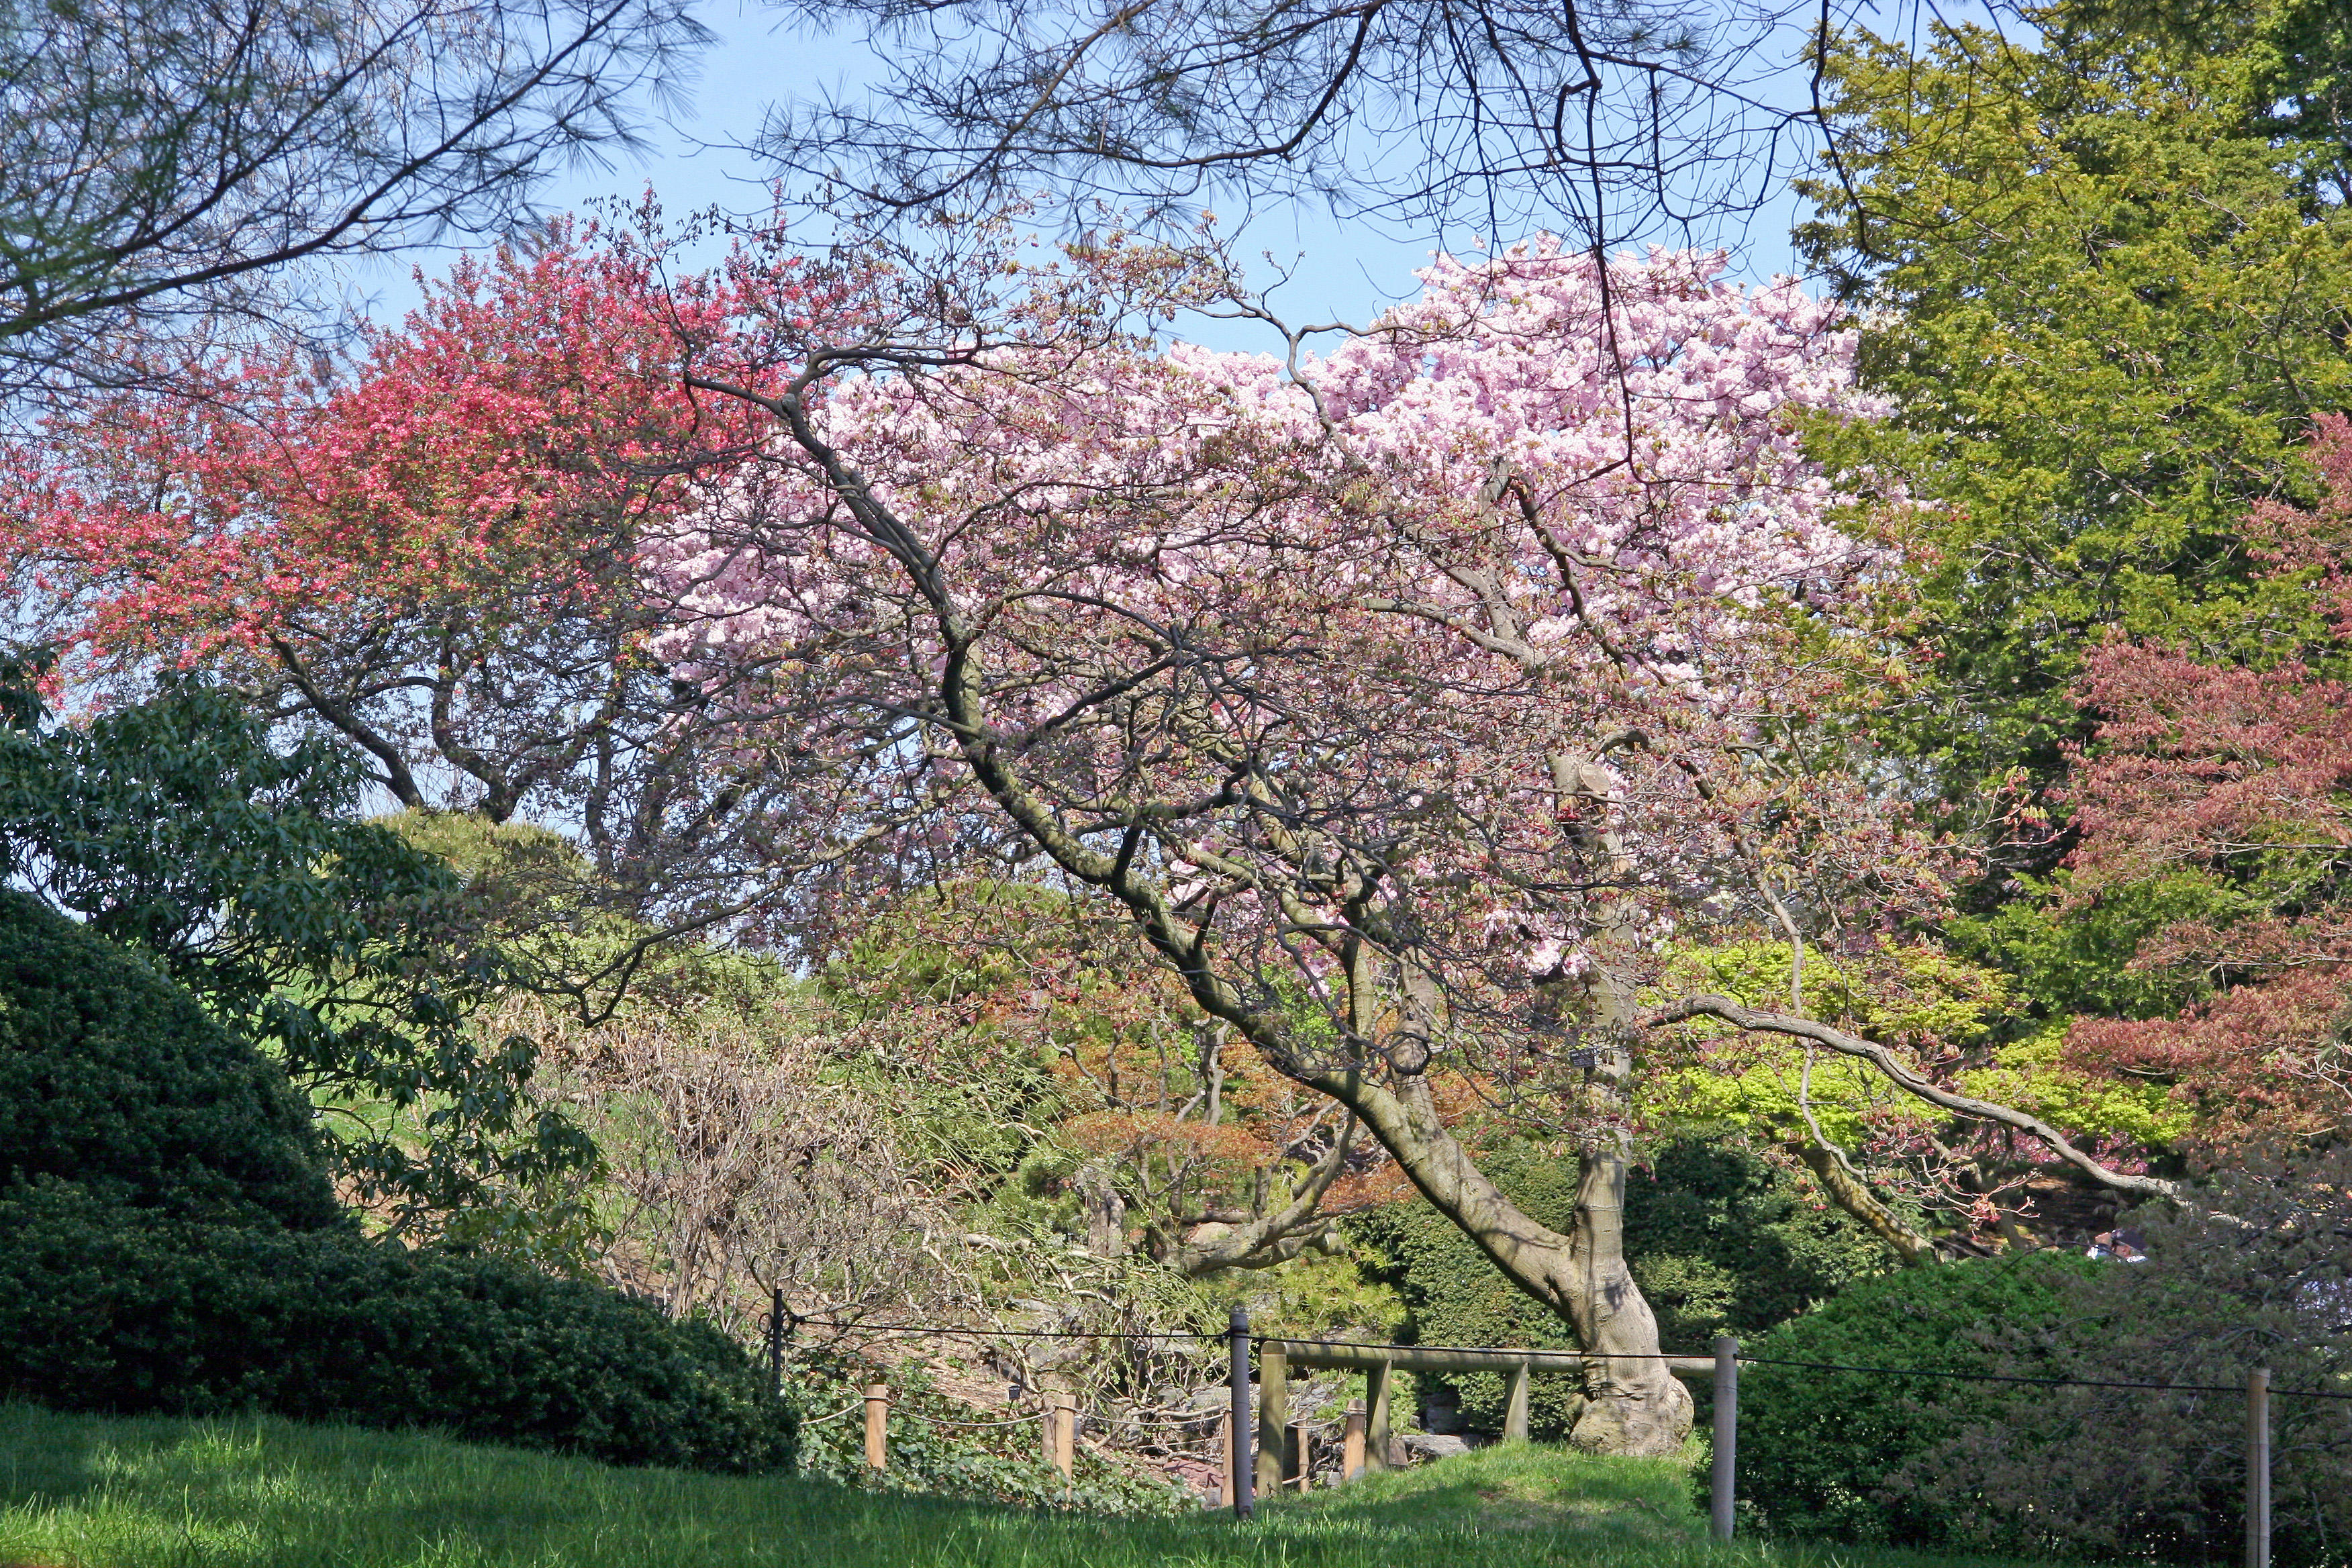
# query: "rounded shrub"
113,1078
169,1243
1818,1449
107,1308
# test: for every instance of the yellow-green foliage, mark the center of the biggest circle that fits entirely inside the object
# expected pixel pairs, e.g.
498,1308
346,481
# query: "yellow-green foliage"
1909,997
1919,1000
2029,1075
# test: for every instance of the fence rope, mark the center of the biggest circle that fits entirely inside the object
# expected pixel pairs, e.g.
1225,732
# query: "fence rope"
935,1331
938,1333
820,1420
2046,1382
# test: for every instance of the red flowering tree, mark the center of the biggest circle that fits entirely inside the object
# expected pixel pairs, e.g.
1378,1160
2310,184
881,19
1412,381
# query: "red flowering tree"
435,554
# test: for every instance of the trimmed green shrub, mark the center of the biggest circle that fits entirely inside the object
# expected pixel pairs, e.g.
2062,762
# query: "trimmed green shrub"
1720,1240
112,1310
1723,1241
2084,1469
1817,1449
111,1076
169,1243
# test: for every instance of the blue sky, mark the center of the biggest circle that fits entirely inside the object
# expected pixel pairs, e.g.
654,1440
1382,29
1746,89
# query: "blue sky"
697,157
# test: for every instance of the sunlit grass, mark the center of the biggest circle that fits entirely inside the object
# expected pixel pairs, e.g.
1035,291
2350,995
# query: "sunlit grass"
87,1492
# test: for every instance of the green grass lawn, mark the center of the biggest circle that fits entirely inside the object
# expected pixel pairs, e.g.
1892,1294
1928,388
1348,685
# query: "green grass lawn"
89,1492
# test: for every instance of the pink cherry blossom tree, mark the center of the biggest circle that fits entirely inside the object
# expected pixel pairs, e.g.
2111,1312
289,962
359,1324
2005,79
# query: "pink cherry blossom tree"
1414,699
1408,698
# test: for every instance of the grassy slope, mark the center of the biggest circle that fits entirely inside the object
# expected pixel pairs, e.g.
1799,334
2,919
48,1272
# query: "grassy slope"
86,1492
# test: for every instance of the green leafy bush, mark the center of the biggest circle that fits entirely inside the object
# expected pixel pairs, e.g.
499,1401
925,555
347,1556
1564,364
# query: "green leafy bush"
107,1308
169,1242
1723,1241
112,1077
180,827
2255,1275
1817,1449
1720,1240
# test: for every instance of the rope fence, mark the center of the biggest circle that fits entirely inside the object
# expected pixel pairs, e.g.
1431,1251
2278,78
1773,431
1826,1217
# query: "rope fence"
950,1331
1276,1457
830,1415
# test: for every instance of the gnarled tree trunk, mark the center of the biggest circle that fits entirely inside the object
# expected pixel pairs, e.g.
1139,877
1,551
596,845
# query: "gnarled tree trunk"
1634,1405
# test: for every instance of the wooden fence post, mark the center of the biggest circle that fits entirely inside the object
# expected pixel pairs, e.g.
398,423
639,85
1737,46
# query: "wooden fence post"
1722,1487
1515,1404
1377,1383
1065,1433
1273,1414
1237,1447
776,1343
1351,1445
2258,1469
877,1426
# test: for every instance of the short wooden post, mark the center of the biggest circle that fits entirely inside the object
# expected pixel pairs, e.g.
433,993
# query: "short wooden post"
1296,1452
1273,1415
1515,1404
877,1426
1377,1383
1351,1445
2258,1469
776,1343
1065,1433
1722,1478
1237,1448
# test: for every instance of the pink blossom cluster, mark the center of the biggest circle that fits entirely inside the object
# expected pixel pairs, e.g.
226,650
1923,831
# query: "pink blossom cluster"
1311,642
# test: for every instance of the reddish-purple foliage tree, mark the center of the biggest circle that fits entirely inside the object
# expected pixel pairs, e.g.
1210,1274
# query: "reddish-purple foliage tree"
2240,778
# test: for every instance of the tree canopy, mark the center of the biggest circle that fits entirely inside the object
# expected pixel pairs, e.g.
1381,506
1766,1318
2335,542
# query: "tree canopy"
2106,306
163,164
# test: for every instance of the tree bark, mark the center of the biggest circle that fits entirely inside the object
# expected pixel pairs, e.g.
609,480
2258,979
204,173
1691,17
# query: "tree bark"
1273,1234
1634,1405
1103,1211
1843,1186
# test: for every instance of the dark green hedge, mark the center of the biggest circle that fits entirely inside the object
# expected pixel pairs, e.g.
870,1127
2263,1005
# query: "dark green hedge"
107,1309
2122,1438
113,1078
169,1242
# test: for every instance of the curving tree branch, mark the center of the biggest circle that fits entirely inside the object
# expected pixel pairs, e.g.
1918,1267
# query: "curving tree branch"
1911,1082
